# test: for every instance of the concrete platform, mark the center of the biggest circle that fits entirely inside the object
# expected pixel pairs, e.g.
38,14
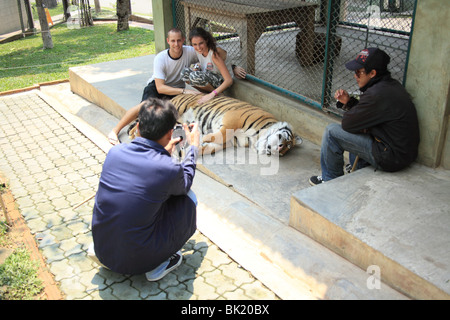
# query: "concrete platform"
247,213
398,222
115,86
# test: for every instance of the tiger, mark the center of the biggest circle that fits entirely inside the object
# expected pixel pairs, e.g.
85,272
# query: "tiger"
250,126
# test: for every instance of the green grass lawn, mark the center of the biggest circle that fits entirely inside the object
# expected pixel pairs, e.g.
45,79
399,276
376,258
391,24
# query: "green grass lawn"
24,62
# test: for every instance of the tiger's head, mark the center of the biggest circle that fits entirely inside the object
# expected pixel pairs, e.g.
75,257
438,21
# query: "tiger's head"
277,139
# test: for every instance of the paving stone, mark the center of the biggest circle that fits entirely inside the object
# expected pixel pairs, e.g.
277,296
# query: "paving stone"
257,291
70,247
217,256
124,291
45,207
203,290
237,294
78,227
178,292
159,296
37,225
73,288
219,281
62,270
52,253
91,281
239,275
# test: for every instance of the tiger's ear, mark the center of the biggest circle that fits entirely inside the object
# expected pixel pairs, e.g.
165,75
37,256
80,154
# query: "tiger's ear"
298,140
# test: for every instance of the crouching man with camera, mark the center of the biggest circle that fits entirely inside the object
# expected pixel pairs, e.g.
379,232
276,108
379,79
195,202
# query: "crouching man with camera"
144,209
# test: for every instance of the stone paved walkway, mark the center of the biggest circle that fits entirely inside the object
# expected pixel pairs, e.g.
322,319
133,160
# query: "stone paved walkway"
52,167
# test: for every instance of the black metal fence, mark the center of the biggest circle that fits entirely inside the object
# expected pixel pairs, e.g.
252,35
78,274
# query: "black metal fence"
300,47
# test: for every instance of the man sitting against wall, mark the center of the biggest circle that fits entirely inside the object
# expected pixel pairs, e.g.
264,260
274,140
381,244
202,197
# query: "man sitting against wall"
381,127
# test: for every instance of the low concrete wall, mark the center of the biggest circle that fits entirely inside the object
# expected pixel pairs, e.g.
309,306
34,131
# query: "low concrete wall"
9,16
81,87
308,122
428,80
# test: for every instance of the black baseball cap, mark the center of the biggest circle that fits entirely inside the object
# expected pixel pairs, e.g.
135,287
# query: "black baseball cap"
370,58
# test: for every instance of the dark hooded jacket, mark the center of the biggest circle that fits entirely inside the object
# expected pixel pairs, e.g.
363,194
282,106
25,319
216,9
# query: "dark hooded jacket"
386,112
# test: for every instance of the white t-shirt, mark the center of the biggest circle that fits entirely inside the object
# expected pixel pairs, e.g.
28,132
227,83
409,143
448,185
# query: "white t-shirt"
169,69
206,63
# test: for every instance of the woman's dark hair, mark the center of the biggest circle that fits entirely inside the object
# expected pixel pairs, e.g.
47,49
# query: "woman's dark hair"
156,118
200,32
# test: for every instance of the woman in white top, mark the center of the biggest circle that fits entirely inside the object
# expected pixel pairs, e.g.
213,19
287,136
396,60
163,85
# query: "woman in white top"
212,75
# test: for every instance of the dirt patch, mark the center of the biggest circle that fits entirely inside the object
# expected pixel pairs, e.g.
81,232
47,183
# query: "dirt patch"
19,235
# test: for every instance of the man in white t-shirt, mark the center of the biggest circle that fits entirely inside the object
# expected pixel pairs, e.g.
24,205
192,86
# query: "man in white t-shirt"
166,81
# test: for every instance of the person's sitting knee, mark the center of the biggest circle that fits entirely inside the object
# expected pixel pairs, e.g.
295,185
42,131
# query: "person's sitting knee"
193,197
332,127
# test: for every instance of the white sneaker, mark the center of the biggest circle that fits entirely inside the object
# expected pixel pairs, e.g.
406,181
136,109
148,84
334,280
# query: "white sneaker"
164,268
93,257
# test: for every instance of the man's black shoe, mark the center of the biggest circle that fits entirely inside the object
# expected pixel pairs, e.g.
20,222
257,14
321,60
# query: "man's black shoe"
315,180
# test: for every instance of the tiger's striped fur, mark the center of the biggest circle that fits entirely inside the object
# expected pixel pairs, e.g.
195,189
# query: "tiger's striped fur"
224,121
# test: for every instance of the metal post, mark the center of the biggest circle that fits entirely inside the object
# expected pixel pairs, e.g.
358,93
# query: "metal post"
334,7
19,6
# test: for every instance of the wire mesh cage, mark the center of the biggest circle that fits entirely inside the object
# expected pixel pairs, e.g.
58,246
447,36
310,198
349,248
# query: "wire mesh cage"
301,47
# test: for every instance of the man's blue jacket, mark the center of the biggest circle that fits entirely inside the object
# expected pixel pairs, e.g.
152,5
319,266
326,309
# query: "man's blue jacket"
141,214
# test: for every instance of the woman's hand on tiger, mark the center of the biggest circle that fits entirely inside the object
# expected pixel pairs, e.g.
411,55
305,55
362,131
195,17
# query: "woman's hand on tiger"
190,91
206,98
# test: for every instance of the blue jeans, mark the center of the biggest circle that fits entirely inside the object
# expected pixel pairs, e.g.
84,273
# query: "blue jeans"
192,196
334,142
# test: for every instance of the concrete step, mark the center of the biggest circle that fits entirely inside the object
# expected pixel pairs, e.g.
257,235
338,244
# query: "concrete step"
288,262
396,224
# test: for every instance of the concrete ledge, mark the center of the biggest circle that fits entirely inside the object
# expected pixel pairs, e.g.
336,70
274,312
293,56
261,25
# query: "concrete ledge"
399,222
111,87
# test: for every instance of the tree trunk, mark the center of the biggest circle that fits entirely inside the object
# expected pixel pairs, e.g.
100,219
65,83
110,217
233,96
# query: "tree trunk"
97,6
123,13
50,3
66,5
86,17
45,30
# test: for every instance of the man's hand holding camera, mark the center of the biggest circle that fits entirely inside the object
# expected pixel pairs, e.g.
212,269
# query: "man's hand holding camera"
192,134
186,134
